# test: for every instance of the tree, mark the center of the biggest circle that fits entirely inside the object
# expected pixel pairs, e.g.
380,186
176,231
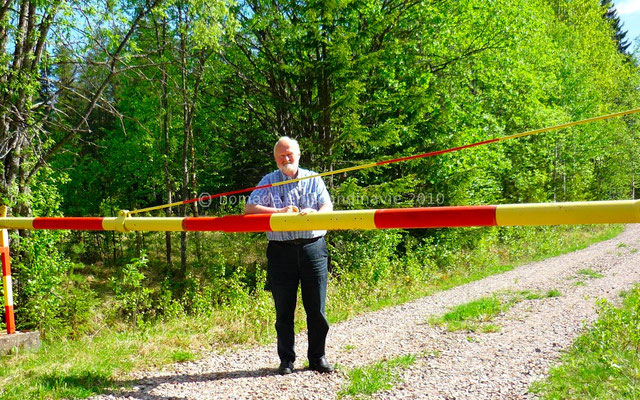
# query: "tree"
28,108
619,35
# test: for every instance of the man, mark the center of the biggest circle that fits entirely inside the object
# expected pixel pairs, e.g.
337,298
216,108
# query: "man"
295,257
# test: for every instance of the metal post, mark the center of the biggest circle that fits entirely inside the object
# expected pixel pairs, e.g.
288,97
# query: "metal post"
6,276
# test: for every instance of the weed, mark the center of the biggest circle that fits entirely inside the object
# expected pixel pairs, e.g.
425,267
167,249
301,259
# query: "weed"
182,356
490,328
590,273
554,293
365,381
474,316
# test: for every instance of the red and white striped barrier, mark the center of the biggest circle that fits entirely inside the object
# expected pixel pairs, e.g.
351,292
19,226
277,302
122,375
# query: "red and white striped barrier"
596,212
7,286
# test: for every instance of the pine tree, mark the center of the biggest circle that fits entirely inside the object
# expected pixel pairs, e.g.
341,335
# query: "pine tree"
619,35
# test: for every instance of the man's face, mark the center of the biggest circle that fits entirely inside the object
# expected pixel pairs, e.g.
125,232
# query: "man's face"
287,157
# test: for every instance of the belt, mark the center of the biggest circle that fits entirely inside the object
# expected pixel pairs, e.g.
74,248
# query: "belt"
298,242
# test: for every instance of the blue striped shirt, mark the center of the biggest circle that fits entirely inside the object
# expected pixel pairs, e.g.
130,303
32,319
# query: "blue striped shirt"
308,193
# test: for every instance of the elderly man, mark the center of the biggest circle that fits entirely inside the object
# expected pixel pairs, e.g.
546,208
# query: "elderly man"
295,257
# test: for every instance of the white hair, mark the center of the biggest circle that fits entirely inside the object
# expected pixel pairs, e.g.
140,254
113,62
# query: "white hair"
287,139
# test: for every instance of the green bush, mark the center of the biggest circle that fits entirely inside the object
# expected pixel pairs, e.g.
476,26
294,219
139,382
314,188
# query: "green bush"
79,303
420,259
132,294
39,271
615,336
364,256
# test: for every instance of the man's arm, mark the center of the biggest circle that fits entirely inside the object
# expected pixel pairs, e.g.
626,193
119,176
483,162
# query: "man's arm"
326,207
250,208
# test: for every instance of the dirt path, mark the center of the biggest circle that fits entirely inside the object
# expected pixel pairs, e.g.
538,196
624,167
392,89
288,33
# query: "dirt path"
457,365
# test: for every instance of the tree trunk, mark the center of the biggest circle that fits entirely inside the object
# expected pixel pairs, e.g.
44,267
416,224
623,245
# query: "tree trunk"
324,101
194,189
186,102
166,118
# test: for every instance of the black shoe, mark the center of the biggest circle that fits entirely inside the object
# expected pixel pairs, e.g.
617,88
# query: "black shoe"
286,367
321,365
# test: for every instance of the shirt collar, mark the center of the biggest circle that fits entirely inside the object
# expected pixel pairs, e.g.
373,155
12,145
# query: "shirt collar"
284,177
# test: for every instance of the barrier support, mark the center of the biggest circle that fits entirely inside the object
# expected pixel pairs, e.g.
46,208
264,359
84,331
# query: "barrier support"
6,276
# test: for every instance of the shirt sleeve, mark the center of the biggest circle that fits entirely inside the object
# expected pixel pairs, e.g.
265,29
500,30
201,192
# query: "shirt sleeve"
323,193
261,197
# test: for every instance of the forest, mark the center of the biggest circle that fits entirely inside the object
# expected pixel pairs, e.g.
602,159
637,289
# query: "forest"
108,105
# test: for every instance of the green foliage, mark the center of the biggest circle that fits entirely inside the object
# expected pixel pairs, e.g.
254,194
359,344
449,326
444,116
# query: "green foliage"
420,259
369,264
370,379
604,362
589,273
132,294
39,275
483,309
355,82
182,356
554,293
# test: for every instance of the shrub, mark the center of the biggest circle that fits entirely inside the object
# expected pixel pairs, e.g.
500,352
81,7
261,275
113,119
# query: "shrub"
364,256
39,271
133,296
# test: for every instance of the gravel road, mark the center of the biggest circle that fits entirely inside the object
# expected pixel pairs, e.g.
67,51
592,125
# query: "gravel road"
458,365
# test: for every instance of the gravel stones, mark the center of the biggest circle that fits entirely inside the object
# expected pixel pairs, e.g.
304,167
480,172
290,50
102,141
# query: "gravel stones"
449,365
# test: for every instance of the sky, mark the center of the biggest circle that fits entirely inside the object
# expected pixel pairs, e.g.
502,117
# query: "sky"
629,13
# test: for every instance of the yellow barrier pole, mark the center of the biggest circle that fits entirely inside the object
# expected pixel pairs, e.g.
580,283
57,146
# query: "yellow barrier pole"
580,212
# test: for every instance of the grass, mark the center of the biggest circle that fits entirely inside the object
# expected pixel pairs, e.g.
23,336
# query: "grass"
370,379
80,368
93,364
475,315
553,293
468,316
589,273
604,362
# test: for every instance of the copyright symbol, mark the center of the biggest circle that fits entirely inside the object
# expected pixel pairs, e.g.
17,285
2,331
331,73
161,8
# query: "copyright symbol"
204,199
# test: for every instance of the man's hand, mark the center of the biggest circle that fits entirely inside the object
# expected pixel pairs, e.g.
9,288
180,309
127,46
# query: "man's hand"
288,209
306,211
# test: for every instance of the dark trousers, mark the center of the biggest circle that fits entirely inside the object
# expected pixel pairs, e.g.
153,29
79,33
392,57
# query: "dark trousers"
288,265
